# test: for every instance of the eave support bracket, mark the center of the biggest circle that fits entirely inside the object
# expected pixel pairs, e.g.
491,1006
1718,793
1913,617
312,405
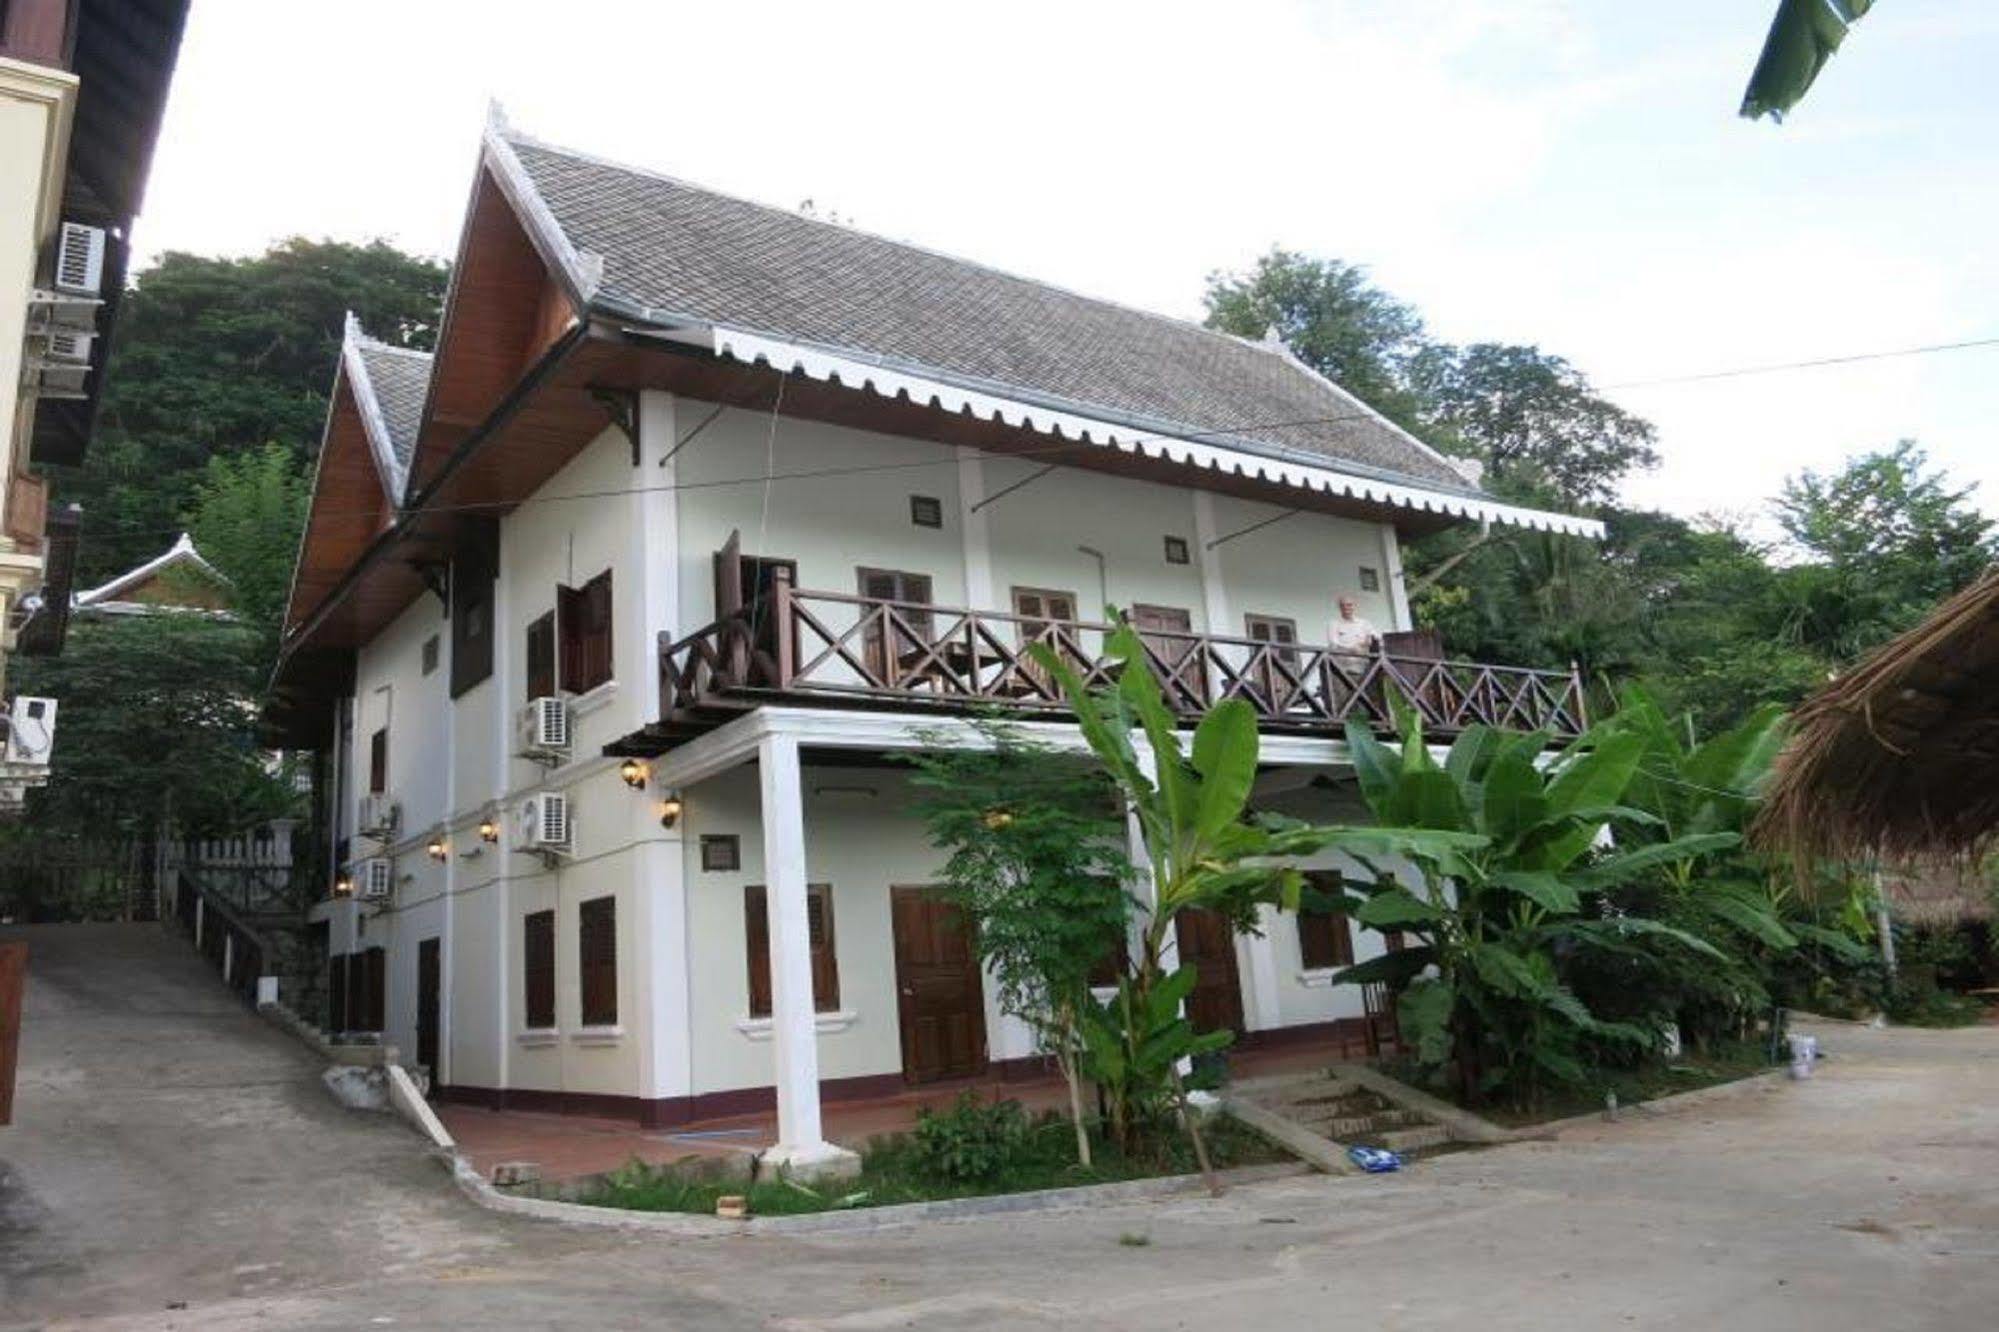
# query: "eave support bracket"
623,409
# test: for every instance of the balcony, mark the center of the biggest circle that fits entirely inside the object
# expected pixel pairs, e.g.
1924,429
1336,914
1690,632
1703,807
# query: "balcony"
799,646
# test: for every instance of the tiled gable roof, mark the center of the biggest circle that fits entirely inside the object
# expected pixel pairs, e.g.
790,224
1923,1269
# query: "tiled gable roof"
399,378
677,249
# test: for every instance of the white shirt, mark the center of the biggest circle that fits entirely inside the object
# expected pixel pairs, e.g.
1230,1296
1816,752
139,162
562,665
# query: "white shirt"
1354,636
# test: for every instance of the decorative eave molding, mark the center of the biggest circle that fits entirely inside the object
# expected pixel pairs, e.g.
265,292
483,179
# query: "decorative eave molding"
376,426
830,366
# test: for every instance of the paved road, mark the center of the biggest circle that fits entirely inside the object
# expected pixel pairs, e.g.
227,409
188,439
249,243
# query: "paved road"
169,1149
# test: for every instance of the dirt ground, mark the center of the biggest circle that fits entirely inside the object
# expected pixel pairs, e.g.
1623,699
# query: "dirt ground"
175,1164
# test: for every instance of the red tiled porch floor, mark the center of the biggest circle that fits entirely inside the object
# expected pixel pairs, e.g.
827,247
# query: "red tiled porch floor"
567,1146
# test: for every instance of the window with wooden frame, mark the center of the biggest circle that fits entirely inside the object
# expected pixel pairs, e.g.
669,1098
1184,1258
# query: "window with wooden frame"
1043,613
894,633
819,924
583,623
721,853
1325,940
378,761
1278,630
926,511
538,970
597,960
1177,551
541,656
1370,579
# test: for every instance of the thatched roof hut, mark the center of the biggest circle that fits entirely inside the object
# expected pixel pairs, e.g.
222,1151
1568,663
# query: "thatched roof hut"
1899,758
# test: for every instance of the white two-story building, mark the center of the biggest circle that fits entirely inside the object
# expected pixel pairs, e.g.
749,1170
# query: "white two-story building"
611,614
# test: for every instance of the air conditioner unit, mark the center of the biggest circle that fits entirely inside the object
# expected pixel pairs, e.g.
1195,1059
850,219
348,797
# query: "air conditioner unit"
379,815
543,729
67,346
543,823
80,259
375,879
31,730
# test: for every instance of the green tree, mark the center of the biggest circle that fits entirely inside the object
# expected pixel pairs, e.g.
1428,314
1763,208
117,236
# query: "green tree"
156,728
248,512
216,356
1331,317
1037,863
1533,419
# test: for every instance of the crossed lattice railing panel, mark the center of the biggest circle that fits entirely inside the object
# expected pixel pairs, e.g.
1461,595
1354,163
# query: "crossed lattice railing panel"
812,642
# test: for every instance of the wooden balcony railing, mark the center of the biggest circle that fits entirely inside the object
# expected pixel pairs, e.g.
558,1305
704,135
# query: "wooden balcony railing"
806,644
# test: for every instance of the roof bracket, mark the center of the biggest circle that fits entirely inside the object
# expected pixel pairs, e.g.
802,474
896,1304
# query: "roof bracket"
436,575
623,408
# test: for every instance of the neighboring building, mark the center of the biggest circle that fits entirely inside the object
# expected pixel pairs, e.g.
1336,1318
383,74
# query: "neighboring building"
82,87
734,503
177,579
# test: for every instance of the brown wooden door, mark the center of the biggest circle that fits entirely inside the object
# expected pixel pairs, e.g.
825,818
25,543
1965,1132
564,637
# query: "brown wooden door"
1208,945
896,637
429,981
1270,677
1175,662
939,994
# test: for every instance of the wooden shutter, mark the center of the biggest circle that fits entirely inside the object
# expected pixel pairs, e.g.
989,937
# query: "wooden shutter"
825,959
583,624
378,761
336,994
541,657
569,633
597,960
376,969
1324,937
538,969
472,573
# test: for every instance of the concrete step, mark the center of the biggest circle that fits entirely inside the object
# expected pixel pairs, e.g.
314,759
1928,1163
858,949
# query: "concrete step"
1409,1141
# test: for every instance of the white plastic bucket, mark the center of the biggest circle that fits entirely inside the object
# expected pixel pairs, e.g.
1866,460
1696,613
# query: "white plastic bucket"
1804,1052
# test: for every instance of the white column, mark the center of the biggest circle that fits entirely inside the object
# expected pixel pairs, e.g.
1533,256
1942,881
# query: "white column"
1214,592
801,1144
659,894
1258,953
656,546
977,535
1392,578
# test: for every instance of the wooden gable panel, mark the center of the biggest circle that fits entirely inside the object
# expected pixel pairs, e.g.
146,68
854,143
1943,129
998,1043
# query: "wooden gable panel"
503,311
348,508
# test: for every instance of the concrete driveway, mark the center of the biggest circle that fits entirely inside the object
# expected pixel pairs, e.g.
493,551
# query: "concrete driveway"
170,1150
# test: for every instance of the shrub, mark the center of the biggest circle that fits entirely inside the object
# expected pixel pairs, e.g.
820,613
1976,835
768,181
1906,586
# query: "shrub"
972,1142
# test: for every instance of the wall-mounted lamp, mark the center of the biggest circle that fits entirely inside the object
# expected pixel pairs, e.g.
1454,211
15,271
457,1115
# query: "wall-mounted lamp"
634,773
343,885
437,848
669,809
489,831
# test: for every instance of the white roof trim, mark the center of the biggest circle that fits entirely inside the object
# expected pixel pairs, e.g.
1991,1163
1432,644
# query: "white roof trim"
373,423
816,363
181,552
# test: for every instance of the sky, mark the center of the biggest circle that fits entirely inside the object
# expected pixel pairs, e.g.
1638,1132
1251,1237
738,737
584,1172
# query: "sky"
1567,173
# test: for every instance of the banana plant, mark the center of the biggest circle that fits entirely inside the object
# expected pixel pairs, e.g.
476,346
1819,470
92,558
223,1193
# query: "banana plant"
1480,993
1202,850
1729,895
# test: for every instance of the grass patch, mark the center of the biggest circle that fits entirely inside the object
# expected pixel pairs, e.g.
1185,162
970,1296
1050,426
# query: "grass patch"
1727,1061
1044,1159
1934,1008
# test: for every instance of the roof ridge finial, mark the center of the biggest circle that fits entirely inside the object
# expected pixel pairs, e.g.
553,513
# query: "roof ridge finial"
496,117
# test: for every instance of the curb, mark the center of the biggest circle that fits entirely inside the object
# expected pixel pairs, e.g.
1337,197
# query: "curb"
1720,1091
857,1220
1465,1126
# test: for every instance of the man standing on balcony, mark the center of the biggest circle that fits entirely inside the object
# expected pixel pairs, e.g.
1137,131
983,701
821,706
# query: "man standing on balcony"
1352,638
